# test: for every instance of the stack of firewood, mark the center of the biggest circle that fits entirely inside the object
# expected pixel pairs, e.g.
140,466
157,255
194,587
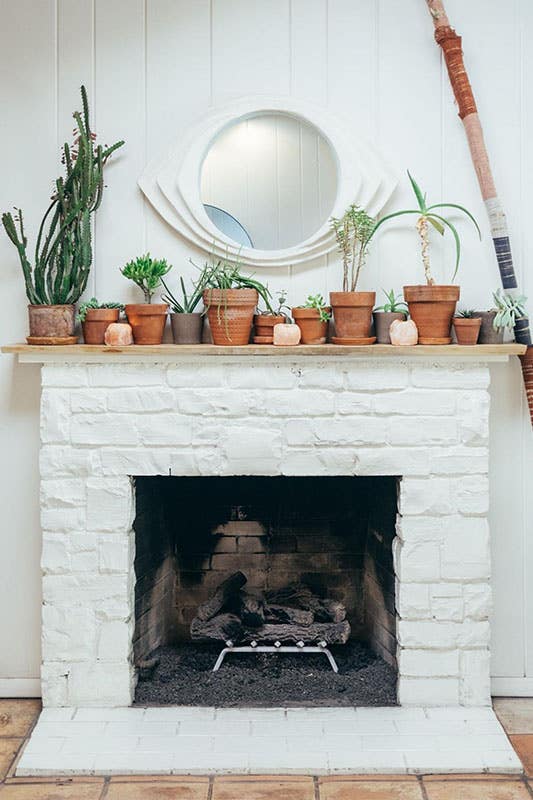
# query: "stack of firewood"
289,615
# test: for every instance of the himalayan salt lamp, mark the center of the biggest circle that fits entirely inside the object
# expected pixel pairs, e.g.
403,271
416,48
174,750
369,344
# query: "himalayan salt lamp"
286,335
403,332
118,334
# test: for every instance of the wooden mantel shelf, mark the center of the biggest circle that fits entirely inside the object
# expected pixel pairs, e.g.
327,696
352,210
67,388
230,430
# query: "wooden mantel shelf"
168,352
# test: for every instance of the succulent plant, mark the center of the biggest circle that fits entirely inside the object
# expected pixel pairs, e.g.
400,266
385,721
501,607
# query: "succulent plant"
508,309
147,273
394,304
318,302
93,303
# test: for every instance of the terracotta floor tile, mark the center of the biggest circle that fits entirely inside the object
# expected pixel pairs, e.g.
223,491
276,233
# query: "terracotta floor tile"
8,751
476,790
264,790
371,790
17,716
158,790
159,779
515,713
523,745
263,778
49,791
471,776
367,778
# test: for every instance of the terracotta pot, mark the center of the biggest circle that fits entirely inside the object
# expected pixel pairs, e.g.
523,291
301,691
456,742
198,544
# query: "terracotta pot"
54,322
96,322
314,331
187,328
382,323
432,309
487,334
147,321
352,312
264,327
230,313
466,330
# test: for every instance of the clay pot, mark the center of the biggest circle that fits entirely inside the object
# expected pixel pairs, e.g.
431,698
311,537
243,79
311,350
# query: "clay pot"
287,335
403,332
230,313
118,334
264,327
382,323
432,309
96,322
466,330
487,334
187,328
51,322
314,331
352,312
147,321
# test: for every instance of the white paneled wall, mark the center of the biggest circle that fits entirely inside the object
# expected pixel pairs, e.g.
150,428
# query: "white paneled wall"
154,66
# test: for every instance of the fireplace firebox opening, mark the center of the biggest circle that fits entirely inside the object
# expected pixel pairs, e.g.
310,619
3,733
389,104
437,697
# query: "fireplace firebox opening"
265,560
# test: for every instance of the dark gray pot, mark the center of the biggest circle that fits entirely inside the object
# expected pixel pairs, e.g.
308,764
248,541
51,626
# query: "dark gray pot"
382,323
187,328
487,334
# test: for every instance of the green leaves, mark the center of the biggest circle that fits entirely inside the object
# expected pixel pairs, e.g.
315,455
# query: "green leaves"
147,273
353,232
318,302
508,309
394,304
94,303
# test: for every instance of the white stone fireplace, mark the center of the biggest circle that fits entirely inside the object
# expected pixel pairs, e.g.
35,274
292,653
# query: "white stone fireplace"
423,420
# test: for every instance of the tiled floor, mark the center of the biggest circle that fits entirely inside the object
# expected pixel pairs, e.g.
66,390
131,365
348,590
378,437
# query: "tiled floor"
17,717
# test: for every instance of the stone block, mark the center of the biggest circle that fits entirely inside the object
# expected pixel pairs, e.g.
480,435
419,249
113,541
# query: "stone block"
412,600
101,684
421,431
115,553
428,663
132,401
429,496
466,554
474,686
250,450
428,691
110,504
63,520
367,378
417,561
54,684
443,635
114,640
101,430
63,460
55,416
472,494
68,634
170,430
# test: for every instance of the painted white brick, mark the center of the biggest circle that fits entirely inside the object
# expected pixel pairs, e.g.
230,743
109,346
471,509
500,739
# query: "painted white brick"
109,504
252,451
299,432
59,460
392,461
99,429
63,492
298,403
438,376
466,553
114,375
417,561
352,403
415,402
90,401
207,375
84,589
420,528
63,520
443,635
349,431
139,400
422,431
376,378
114,640
115,553
140,461
412,600
472,494
55,556
432,496
164,429
320,462
257,376
447,607
69,634
67,375
474,687
429,663
55,416
318,377
478,600
460,460
114,681
218,402
54,683
428,691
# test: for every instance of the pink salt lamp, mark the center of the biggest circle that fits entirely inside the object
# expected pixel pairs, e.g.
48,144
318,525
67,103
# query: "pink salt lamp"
118,334
286,335
403,332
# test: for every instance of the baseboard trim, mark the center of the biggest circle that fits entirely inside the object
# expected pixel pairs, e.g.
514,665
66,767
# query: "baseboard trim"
20,687
512,687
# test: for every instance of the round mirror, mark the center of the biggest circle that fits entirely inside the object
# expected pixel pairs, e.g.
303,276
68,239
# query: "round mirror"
269,181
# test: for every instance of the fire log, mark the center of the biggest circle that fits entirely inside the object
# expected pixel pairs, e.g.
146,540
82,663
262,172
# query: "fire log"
329,632
217,629
252,609
227,590
280,615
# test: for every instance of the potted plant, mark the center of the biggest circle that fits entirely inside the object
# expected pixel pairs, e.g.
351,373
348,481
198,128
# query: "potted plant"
63,255
431,306
95,319
509,310
352,310
264,321
385,315
230,299
466,327
147,320
488,334
312,319
186,323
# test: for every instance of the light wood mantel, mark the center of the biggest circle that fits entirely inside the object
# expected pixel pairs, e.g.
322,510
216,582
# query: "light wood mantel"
80,353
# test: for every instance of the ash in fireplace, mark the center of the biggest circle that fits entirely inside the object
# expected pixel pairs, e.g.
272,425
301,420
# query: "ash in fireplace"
184,676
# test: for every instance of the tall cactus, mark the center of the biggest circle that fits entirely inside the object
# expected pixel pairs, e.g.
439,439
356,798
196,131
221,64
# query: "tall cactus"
63,250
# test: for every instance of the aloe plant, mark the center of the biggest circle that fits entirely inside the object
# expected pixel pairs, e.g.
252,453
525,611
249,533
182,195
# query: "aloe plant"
189,302
428,215
466,313
63,252
147,273
394,304
508,309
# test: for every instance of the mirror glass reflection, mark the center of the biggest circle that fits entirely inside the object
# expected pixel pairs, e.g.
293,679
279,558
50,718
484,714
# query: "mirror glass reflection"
269,181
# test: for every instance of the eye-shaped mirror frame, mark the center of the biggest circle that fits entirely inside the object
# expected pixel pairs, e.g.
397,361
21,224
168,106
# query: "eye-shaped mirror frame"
172,182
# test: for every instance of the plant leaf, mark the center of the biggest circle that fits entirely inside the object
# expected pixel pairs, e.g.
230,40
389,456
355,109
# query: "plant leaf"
457,242
418,192
392,216
438,227
460,208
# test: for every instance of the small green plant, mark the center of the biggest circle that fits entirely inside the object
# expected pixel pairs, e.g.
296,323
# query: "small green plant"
394,304
221,273
63,253
508,309
281,310
147,273
93,303
189,302
352,231
318,302
466,313
427,215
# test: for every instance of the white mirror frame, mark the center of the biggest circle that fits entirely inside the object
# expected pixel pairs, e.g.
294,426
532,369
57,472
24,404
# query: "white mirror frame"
172,182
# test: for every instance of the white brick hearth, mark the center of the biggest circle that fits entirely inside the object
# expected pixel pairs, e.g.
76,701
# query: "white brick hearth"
423,420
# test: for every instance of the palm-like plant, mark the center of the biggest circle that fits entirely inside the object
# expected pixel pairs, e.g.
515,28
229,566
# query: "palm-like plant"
428,215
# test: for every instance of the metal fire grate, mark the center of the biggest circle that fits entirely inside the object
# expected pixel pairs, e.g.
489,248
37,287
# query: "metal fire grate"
277,647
